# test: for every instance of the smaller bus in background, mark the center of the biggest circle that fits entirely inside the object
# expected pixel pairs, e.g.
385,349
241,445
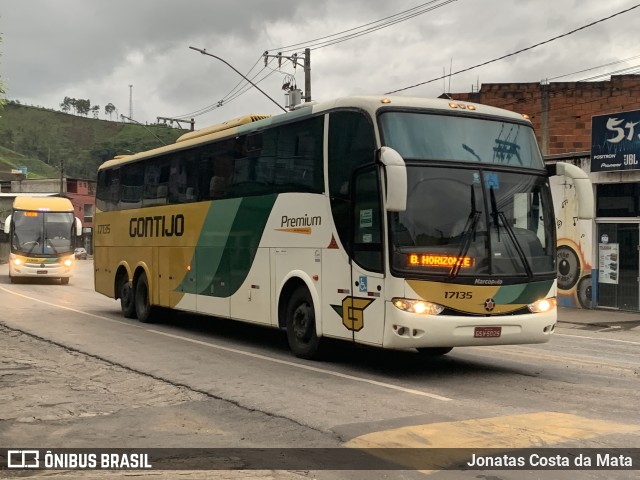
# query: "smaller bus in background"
42,235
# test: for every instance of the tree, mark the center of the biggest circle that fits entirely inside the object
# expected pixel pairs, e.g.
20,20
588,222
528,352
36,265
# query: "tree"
83,106
66,104
95,109
109,109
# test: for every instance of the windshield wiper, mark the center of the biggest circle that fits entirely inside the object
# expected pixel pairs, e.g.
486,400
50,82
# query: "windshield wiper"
34,245
48,240
468,234
499,215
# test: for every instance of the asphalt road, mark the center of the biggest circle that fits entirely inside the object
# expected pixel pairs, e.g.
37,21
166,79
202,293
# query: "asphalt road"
74,373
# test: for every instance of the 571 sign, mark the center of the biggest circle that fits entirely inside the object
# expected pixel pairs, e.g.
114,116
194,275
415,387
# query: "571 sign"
615,142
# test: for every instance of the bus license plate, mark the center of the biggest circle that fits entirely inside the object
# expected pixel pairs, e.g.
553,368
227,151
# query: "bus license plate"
41,272
483,332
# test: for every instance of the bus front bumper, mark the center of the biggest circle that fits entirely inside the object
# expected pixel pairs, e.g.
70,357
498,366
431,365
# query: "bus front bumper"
411,330
41,270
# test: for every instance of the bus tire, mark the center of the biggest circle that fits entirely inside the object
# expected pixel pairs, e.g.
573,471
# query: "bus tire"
301,325
127,301
64,281
144,310
434,351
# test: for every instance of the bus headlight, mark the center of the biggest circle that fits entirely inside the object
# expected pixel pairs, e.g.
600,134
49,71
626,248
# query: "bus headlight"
68,262
544,305
417,306
17,261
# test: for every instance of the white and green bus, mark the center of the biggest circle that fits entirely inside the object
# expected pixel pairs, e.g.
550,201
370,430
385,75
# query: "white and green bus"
394,222
42,234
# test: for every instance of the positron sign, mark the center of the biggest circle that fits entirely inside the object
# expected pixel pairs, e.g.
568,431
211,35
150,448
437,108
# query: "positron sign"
433,260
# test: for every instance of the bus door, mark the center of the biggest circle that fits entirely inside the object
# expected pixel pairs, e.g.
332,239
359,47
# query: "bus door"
366,309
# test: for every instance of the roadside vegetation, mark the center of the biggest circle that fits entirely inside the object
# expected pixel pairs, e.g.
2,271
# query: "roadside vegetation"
44,140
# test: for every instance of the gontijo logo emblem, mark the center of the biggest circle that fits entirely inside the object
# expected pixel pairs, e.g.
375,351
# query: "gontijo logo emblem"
352,312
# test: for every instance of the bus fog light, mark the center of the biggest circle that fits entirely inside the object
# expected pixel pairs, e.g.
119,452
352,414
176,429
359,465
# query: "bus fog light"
541,306
417,306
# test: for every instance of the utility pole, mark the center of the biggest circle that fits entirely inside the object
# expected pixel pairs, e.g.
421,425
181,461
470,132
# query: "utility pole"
62,189
130,101
295,60
192,122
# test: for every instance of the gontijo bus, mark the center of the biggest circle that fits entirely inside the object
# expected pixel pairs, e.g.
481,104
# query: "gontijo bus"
42,234
394,222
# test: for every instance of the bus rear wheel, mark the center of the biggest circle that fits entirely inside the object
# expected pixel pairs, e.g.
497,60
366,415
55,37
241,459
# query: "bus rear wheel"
127,303
144,310
301,325
434,351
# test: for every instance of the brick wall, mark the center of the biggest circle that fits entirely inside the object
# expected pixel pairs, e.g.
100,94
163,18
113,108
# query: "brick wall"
561,111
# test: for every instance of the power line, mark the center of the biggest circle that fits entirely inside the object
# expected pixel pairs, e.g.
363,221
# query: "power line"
379,24
204,52
226,99
563,92
380,27
594,68
409,13
518,51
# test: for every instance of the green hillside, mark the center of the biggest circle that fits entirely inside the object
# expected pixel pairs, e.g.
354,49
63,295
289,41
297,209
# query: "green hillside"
43,139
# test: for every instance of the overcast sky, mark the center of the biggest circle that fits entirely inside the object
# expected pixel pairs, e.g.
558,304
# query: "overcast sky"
96,49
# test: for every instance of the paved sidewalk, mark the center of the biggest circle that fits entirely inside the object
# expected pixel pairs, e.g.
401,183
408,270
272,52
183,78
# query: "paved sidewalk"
603,318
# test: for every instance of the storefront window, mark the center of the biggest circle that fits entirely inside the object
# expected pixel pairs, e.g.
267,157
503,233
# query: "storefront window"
618,200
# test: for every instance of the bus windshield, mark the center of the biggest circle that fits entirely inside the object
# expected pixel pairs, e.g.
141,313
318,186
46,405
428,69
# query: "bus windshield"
42,233
469,221
464,139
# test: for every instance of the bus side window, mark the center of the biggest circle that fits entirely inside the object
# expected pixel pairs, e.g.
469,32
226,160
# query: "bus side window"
351,144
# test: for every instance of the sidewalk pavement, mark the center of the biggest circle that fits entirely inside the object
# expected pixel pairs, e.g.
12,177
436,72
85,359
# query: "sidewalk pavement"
600,318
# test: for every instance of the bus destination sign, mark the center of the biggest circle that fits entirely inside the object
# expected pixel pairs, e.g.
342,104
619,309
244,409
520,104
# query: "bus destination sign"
438,260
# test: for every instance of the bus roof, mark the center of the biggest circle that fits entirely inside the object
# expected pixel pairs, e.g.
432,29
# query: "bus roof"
371,104
53,204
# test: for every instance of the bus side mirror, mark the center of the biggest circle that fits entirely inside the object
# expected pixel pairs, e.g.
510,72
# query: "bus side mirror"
584,190
78,227
7,225
396,174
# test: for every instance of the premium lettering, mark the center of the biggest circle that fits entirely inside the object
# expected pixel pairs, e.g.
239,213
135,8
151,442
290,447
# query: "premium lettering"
306,221
158,226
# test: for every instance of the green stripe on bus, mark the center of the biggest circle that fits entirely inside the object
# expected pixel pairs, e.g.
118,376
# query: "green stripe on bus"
228,244
523,293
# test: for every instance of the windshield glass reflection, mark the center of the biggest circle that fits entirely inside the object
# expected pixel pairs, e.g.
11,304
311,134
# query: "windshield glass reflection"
474,222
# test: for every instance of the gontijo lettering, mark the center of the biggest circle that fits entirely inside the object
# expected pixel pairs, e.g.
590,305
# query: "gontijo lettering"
158,226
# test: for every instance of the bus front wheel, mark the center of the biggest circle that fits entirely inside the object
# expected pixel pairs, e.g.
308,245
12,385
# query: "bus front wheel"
64,281
301,325
127,303
144,310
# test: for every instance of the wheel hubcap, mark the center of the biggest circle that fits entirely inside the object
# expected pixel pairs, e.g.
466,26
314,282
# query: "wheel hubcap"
301,321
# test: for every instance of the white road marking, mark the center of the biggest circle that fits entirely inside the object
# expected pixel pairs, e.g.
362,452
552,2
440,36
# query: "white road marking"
245,353
628,342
